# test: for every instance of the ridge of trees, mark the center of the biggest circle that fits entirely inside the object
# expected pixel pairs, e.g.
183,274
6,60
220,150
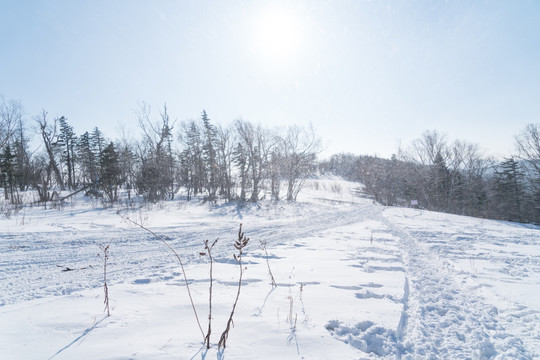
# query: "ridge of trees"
191,158
453,177
245,161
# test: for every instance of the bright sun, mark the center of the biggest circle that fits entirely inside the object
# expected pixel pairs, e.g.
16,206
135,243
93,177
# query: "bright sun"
279,34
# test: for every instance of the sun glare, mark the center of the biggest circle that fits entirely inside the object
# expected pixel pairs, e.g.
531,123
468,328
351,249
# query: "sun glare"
279,34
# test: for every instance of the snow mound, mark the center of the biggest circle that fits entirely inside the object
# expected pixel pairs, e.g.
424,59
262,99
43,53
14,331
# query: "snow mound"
366,336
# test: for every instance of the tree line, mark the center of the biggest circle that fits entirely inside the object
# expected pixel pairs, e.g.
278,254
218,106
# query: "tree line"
242,161
455,177
245,161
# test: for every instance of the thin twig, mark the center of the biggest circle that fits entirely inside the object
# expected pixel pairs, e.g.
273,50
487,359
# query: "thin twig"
263,247
105,250
160,238
208,249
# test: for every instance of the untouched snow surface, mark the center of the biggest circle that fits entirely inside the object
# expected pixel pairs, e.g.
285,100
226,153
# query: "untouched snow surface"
355,280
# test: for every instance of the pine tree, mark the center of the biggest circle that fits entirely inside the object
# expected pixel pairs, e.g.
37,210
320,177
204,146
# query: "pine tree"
67,140
509,189
440,179
111,173
127,160
225,148
89,163
193,158
7,167
210,156
23,171
97,141
240,159
186,178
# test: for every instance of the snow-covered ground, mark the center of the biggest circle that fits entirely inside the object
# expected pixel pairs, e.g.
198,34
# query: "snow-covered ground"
355,280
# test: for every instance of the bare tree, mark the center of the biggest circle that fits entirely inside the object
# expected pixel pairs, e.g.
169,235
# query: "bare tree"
156,176
430,152
424,150
10,116
447,176
41,177
528,145
50,136
128,160
256,145
226,139
248,145
192,172
298,149
475,165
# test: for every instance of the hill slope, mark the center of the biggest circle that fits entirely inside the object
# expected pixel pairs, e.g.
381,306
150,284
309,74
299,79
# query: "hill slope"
355,280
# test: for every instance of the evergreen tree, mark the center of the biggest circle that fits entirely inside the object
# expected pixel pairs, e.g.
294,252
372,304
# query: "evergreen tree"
186,175
88,163
23,171
111,176
127,163
225,148
440,179
241,161
7,167
509,189
67,140
97,141
192,159
210,156
87,159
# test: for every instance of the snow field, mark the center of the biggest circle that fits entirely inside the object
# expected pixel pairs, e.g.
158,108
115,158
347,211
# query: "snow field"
355,281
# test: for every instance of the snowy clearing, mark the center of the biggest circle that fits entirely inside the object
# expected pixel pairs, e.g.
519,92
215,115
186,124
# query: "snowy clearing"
355,281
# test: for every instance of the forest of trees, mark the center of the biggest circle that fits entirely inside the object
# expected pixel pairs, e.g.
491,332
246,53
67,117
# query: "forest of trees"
454,177
242,161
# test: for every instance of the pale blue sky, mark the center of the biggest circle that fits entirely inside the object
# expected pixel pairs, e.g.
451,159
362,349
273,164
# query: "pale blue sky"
367,74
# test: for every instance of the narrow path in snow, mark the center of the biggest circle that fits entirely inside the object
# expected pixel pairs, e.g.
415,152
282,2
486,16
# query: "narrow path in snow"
443,319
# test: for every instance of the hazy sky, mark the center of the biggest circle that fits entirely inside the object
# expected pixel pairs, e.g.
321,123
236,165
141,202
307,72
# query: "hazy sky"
366,74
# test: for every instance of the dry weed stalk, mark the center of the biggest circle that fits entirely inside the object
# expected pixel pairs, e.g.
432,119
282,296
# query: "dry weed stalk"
263,247
239,245
291,308
292,324
160,238
105,258
208,251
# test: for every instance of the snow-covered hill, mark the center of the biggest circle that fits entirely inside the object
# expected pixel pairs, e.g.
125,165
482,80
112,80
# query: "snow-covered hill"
355,280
